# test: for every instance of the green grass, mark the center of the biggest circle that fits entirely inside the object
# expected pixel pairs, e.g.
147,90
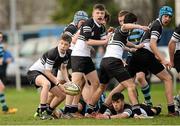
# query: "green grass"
27,99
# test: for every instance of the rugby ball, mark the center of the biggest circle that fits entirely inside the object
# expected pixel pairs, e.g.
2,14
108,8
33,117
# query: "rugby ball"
71,88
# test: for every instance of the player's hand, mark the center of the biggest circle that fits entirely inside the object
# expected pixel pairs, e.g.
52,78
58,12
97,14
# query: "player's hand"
145,28
132,50
166,63
101,116
139,46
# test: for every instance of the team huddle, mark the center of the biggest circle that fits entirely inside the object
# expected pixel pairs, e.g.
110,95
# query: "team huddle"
83,90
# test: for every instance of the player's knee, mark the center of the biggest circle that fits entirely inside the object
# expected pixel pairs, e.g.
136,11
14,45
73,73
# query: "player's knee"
2,88
47,85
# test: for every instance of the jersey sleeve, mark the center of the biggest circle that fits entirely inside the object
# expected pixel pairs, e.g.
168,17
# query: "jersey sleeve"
70,30
156,31
86,31
50,59
176,34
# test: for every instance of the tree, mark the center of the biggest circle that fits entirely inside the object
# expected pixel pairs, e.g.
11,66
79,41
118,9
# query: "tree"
66,9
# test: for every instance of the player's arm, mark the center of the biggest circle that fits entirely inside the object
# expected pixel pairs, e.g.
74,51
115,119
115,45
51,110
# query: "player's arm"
171,47
122,115
48,73
130,26
64,72
1,60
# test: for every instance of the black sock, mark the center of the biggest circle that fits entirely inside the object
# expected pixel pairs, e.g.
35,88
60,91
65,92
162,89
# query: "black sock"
43,107
74,109
50,110
90,108
103,108
158,110
67,109
171,108
136,109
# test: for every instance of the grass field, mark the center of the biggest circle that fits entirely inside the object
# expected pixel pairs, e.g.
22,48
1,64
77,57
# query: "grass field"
27,99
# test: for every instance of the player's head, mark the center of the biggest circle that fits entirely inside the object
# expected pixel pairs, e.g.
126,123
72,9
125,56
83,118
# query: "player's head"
118,101
121,16
80,17
130,18
165,14
64,43
98,13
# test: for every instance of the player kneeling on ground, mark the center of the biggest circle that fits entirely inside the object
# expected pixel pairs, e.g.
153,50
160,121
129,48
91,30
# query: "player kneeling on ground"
40,74
122,110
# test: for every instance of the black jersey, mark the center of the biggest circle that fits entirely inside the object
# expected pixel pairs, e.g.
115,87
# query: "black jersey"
51,59
176,37
119,38
154,32
71,29
92,30
127,109
117,43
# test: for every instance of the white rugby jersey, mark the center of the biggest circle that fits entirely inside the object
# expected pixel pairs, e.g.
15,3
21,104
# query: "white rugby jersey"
154,32
89,30
117,43
51,59
176,37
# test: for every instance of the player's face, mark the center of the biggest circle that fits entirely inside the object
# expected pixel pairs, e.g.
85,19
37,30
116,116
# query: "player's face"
166,19
80,23
63,46
118,105
121,20
98,15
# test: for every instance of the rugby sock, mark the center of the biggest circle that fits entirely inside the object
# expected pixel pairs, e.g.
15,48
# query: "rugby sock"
43,107
3,102
171,108
136,109
103,108
50,110
74,108
146,92
67,109
90,108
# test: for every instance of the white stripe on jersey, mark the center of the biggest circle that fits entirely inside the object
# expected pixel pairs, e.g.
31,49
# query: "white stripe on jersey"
155,33
176,37
87,29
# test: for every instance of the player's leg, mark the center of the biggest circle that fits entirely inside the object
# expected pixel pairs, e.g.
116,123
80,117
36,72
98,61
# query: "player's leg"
167,79
145,88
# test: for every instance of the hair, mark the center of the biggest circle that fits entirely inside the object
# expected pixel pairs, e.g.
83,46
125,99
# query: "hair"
122,13
107,16
117,96
100,7
66,38
130,18
1,33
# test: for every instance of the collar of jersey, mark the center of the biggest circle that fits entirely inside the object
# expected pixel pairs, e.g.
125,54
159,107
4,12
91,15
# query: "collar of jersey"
96,23
61,54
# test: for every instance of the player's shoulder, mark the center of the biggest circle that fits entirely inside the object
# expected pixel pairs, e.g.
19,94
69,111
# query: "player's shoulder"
177,29
157,23
89,22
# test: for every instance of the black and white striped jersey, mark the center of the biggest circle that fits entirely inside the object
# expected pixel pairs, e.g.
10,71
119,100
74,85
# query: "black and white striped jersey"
117,43
1,50
176,37
71,30
89,30
154,32
127,110
51,59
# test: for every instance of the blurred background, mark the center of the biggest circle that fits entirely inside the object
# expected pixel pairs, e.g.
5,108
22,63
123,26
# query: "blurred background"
31,27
